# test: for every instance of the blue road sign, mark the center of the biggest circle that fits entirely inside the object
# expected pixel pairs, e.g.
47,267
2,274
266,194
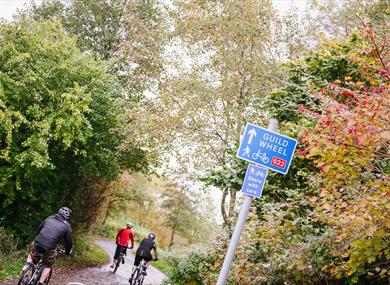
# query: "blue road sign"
254,180
269,149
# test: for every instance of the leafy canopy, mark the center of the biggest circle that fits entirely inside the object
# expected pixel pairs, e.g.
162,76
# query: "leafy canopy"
59,109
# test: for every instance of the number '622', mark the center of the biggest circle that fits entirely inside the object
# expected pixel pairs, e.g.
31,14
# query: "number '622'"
278,162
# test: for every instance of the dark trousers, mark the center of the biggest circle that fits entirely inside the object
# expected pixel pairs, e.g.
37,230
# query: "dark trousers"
118,250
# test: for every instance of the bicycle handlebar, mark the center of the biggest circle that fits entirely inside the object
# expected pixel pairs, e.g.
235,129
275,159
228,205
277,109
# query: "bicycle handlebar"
60,251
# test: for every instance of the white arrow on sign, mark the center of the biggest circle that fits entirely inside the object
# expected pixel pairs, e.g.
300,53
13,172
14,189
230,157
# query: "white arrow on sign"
252,133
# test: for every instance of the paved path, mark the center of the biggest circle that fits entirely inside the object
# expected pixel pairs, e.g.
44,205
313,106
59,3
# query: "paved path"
154,277
102,275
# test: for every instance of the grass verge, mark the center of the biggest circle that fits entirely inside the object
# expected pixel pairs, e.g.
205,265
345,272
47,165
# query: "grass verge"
161,265
10,266
87,254
91,255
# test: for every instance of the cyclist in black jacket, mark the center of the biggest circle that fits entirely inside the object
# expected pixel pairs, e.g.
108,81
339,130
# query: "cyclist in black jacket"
50,232
144,251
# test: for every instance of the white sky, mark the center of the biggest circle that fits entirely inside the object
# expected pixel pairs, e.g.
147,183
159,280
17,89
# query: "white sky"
9,7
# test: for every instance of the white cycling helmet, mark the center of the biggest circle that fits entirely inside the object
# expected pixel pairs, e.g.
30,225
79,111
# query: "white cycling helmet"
130,225
65,212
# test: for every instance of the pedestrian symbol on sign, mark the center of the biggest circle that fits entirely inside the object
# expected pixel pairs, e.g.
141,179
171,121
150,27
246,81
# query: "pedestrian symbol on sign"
254,180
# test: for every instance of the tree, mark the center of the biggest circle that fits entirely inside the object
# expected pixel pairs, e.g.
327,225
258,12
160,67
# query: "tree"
324,224
350,146
96,24
60,111
131,36
125,191
229,46
129,33
178,210
343,18
304,230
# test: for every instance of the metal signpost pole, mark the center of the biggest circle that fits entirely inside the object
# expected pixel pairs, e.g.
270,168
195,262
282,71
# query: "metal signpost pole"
223,275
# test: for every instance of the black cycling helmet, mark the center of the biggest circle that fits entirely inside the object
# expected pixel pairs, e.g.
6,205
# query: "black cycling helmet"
152,236
65,212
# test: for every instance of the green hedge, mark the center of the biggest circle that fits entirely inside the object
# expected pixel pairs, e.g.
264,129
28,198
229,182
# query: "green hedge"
196,267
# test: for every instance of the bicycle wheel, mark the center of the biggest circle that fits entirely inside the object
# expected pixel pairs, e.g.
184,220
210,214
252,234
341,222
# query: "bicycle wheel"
136,277
117,265
26,275
141,279
48,277
37,274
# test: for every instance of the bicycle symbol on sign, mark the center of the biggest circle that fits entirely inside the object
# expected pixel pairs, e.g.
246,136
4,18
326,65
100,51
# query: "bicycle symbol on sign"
260,156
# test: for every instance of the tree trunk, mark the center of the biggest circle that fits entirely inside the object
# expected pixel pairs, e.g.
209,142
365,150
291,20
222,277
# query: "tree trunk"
232,204
171,242
107,213
223,210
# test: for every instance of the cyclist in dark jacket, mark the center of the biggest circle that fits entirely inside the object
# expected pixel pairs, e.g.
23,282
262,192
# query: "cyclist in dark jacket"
50,232
144,251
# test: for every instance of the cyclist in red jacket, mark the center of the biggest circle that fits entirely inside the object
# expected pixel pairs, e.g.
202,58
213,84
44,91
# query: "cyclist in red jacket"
122,241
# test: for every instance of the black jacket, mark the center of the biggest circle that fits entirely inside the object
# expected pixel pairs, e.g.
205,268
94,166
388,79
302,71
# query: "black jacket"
145,247
52,230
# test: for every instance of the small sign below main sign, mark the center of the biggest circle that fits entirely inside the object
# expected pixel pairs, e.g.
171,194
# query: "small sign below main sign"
266,148
254,180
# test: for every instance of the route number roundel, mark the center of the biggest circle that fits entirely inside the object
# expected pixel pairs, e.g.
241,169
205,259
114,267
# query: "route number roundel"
278,162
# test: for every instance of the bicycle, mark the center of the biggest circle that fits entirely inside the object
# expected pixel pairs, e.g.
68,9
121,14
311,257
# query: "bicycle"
261,156
121,258
140,273
32,274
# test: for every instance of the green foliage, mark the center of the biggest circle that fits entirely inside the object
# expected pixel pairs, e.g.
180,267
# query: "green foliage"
7,244
312,73
11,259
193,268
130,34
178,208
341,18
277,249
59,111
111,227
323,223
100,35
107,230
354,191
10,266
86,254
220,77
231,176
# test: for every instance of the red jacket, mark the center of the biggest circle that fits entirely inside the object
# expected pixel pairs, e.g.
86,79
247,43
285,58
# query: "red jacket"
123,236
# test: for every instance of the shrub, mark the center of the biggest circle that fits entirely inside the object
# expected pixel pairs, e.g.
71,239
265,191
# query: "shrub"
10,258
194,268
7,244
